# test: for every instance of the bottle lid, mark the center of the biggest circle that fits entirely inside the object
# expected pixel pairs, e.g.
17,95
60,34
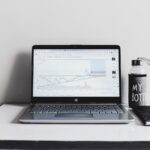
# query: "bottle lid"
136,62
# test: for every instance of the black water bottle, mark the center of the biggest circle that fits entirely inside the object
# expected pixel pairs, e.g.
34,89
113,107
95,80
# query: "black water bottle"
137,84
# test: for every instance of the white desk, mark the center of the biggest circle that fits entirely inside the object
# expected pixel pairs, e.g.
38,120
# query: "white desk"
10,129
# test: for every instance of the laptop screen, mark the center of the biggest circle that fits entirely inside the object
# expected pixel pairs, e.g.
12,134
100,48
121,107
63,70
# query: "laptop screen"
76,73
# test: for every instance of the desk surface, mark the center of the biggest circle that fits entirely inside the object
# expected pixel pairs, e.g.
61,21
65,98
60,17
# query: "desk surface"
10,129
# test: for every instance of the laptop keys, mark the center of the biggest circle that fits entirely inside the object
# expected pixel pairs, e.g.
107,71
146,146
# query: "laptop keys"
100,109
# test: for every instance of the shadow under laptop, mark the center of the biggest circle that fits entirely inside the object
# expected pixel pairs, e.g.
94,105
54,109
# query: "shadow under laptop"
18,89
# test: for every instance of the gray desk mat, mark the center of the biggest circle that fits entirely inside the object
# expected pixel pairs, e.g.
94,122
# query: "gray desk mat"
78,145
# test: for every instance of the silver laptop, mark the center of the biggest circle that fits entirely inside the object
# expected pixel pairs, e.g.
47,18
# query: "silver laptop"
76,84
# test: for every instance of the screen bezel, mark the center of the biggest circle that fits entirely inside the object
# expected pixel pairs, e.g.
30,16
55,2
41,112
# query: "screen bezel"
73,100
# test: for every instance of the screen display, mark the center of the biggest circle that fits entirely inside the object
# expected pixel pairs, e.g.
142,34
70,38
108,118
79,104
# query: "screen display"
76,73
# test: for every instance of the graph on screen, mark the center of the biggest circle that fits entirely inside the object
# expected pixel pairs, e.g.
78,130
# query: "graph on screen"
57,75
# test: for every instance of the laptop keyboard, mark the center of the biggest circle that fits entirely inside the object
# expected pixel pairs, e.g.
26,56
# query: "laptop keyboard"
101,109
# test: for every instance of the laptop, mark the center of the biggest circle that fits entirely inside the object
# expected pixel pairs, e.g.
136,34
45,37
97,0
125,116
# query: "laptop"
76,84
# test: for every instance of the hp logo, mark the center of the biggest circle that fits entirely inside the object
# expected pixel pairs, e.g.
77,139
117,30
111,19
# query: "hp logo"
76,100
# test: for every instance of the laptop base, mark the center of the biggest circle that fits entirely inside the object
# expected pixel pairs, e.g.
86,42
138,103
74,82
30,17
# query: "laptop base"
75,117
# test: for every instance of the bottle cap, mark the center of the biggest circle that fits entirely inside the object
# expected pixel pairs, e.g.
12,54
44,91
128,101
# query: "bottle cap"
136,62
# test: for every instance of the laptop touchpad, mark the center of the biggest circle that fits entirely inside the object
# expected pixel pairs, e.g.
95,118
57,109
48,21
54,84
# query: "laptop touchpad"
71,115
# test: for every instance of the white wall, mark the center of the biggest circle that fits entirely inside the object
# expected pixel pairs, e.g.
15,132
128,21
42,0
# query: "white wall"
27,22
